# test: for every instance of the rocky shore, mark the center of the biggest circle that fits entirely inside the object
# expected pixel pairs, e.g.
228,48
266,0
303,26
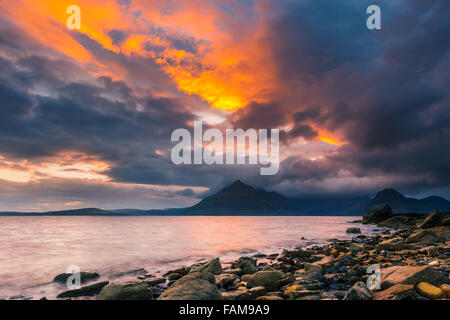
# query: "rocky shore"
411,260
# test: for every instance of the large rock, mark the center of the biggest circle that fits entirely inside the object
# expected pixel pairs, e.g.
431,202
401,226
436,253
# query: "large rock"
90,290
126,290
213,266
396,222
268,279
193,286
378,213
249,294
392,244
225,279
435,219
359,291
396,292
425,237
411,275
247,265
353,230
84,277
312,268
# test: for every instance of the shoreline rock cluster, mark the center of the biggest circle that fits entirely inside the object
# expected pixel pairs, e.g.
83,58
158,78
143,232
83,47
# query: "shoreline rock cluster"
413,261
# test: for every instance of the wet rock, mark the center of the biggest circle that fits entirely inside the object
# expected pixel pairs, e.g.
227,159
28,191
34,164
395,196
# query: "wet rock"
213,266
396,292
84,277
268,279
378,213
411,275
295,295
353,230
427,290
446,289
126,290
359,291
392,244
90,290
247,294
247,265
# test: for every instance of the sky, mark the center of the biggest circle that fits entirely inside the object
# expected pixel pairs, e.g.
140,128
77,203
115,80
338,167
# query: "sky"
86,115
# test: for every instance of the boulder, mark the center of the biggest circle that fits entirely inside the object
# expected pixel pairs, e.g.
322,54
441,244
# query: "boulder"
311,268
212,266
247,265
353,230
392,244
395,222
225,279
411,275
396,292
90,290
435,219
427,290
424,237
126,290
193,286
155,281
359,291
84,277
268,279
378,213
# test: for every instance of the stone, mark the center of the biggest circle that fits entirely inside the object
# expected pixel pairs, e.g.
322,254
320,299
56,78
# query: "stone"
174,276
353,230
90,290
396,292
247,294
434,219
84,277
427,290
295,287
377,214
392,244
213,266
411,275
311,267
394,222
225,279
359,291
126,290
235,271
246,277
193,286
295,295
247,265
424,236
268,279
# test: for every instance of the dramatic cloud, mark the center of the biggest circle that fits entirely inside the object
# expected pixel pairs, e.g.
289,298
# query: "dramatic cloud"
86,116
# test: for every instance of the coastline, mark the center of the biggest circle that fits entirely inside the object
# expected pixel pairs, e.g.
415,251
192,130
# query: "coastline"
412,257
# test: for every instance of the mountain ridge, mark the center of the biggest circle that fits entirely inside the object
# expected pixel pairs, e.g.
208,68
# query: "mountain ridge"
242,199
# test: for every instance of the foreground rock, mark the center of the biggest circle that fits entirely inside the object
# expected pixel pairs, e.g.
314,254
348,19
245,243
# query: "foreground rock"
429,291
90,290
249,294
126,290
198,284
378,213
358,292
397,292
411,275
267,279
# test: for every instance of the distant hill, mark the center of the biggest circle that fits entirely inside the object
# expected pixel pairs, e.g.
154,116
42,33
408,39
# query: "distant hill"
400,203
240,199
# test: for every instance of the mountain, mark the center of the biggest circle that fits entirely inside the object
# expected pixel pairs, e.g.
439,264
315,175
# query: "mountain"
400,203
240,199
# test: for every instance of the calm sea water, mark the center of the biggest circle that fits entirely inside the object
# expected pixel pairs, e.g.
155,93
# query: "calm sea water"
34,250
